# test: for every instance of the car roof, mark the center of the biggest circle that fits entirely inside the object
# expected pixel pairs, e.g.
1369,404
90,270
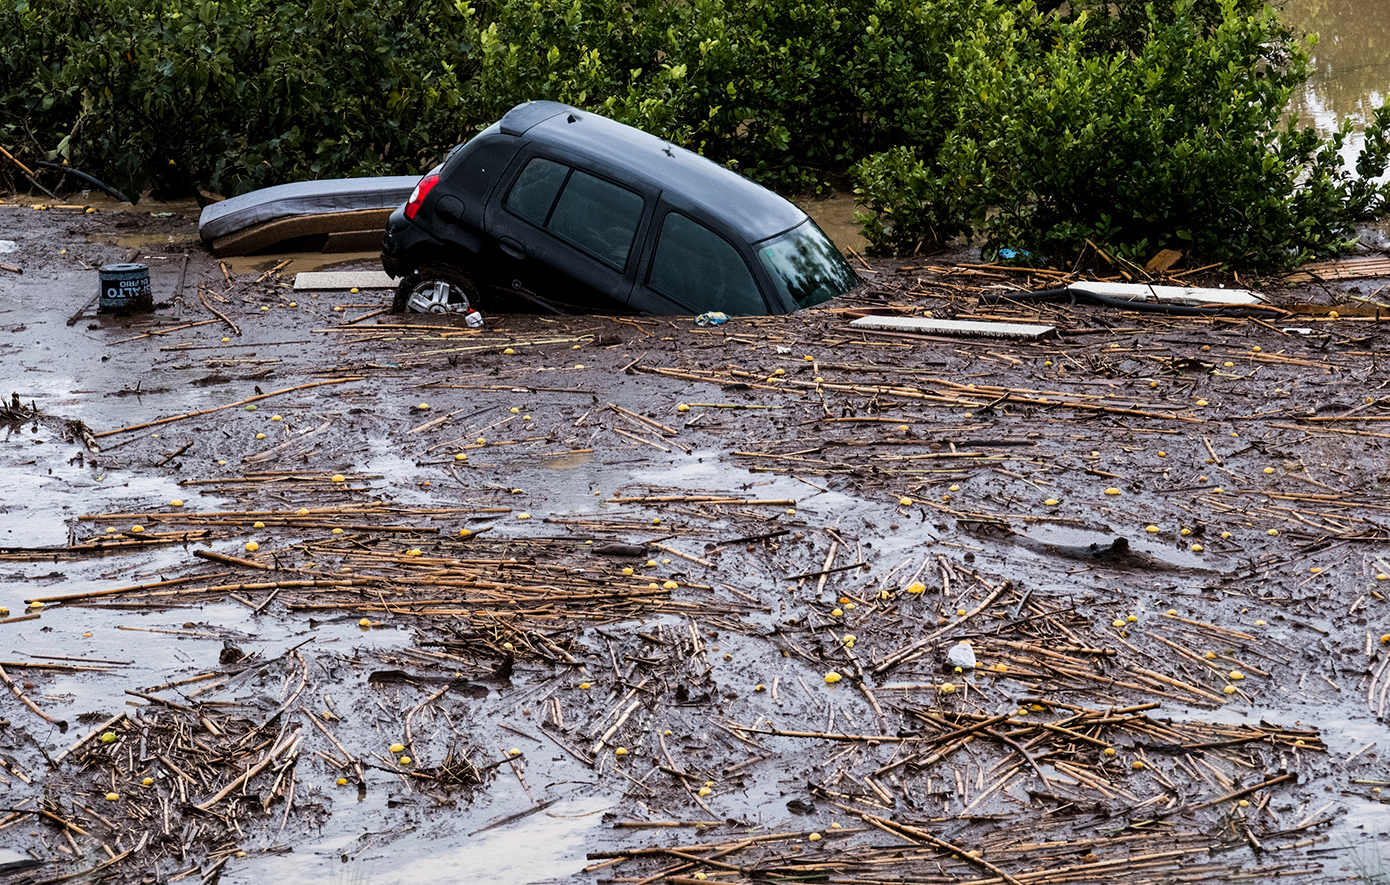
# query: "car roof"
751,209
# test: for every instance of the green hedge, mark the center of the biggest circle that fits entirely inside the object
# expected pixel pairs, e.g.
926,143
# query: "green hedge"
1135,125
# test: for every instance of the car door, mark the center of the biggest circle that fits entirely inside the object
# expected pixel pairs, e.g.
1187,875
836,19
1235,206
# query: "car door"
693,268
566,235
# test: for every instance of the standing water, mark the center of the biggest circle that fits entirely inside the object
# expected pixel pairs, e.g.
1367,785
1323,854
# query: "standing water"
1351,63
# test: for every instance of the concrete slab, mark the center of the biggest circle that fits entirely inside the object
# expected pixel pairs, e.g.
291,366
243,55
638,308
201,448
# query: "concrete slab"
966,328
354,279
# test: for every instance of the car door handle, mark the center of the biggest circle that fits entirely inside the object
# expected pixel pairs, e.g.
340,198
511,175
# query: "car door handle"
511,247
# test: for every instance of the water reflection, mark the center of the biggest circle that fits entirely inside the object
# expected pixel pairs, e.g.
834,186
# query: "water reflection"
1351,62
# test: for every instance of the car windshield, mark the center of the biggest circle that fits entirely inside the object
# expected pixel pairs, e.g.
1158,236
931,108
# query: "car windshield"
805,266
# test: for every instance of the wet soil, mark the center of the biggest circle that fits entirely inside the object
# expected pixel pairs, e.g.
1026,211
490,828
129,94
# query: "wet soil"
660,600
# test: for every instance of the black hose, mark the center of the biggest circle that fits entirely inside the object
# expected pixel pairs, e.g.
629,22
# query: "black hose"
1075,294
77,173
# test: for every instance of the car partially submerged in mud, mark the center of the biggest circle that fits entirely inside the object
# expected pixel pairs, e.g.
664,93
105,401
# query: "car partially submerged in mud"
573,212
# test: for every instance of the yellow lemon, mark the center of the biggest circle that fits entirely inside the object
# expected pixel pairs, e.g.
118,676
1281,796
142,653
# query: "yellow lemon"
397,748
252,546
832,677
176,503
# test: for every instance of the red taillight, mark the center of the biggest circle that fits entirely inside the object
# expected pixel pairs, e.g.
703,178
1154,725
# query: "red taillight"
418,195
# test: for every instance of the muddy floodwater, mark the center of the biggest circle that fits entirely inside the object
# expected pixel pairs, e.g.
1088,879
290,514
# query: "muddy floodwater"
300,589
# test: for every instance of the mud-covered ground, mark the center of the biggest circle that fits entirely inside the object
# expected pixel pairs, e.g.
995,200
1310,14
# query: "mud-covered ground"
343,595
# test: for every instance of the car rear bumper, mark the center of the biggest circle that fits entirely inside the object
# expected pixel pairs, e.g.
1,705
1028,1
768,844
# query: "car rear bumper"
405,246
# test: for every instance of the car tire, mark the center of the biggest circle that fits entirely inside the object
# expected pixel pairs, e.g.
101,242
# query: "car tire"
436,289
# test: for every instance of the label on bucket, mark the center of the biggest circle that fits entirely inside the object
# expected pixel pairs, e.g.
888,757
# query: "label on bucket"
125,287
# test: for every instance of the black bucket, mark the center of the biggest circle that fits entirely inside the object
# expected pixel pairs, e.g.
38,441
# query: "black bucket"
125,288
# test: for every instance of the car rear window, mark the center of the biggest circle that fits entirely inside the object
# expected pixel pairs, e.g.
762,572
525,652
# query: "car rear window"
805,266
597,216
481,164
535,189
698,267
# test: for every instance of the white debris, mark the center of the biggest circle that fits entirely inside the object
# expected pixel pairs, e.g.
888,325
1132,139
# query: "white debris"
961,655
8,246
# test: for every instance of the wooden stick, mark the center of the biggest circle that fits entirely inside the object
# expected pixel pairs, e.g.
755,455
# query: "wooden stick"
19,693
202,296
227,406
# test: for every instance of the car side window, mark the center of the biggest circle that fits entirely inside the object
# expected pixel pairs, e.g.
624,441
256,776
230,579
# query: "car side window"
597,216
535,189
698,267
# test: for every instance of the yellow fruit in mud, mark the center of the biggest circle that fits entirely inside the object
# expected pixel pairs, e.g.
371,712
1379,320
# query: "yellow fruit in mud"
916,588
414,552
814,837
225,340
621,751
338,477
832,677
683,407
779,371
252,546
584,685
523,516
1109,752
1201,402
1236,674
342,782
276,418
405,760
1051,502
137,529
947,687
905,501
481,441
1137,765
515,411
36,605
257,525
112,797
1197,548
513,752
705,791
1151,529
397,748
147,782
1112,491
108,737
337,532
838,613
424,407
260,436
509,352
669,585
4,611
1272,532
1118,622
176,503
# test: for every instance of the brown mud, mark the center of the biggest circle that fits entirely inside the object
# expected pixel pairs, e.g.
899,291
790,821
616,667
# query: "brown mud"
608,565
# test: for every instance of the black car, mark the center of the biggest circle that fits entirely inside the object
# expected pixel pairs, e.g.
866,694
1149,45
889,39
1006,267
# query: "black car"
570,211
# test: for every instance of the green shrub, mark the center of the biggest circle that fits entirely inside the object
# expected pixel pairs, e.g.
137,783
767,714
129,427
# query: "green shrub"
1168,137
